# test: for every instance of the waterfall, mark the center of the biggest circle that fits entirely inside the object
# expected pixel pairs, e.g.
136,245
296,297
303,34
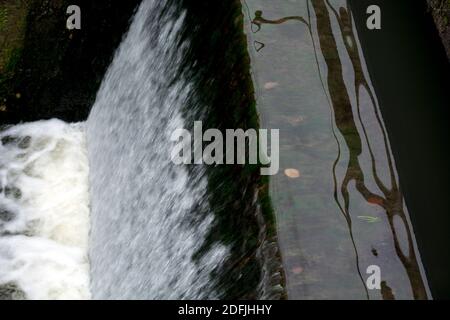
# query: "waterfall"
98,209
146,228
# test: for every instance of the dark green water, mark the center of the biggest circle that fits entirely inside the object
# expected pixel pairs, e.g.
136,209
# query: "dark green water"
414,91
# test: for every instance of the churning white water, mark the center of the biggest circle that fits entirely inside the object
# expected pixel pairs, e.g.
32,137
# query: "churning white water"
146,221
44,210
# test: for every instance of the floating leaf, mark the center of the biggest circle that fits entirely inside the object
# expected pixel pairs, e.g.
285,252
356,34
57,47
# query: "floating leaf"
297,270
292,173
270,85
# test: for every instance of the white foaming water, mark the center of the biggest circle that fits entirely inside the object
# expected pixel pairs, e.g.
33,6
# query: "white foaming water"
149,216
44,210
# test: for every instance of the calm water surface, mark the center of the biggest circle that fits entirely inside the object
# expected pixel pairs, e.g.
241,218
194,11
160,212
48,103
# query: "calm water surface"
345,211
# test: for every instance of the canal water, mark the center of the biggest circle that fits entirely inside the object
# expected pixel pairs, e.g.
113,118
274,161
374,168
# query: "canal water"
338,201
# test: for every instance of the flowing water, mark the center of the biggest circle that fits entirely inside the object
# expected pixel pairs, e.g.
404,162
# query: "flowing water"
146,224
153,230
44,211
145,230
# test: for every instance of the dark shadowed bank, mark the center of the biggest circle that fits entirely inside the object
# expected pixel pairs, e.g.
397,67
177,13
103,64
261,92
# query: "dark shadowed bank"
55,73
440,10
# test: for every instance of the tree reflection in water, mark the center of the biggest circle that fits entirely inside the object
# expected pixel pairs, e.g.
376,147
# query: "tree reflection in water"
390,199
